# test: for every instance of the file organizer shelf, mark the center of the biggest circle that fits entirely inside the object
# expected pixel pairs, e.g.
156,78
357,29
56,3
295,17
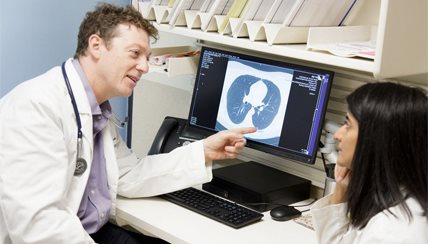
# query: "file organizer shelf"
252,30
205,19
158,13
180,21
400,33
271,33
193,21
279,34
232,27
217,20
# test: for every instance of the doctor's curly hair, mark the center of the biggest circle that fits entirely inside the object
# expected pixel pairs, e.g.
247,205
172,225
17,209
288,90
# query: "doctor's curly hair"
103,22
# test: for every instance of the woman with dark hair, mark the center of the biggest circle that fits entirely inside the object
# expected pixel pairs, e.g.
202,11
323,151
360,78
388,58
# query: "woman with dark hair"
381,170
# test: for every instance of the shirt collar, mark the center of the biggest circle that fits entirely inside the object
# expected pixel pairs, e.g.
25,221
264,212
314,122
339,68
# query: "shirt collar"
96,109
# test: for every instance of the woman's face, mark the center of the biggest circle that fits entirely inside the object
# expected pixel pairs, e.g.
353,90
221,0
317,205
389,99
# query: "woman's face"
346,137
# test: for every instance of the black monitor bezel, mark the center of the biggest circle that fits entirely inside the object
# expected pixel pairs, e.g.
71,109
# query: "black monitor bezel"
281,152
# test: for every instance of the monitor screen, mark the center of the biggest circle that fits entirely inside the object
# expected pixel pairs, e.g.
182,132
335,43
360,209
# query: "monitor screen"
285,102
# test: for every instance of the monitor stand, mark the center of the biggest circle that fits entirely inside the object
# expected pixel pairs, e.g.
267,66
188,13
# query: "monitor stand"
251,182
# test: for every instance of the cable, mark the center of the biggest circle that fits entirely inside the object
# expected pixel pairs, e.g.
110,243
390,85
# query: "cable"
323,161
260,203
328,168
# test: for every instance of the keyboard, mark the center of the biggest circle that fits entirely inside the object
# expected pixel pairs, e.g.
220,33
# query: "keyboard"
214,207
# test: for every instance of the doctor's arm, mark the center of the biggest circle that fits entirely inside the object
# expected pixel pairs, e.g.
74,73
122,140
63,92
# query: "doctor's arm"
181,168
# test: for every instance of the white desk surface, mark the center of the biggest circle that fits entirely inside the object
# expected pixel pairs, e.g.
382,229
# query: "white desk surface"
176,224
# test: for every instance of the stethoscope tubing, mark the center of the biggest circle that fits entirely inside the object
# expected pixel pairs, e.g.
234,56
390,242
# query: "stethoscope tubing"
73,101
81,164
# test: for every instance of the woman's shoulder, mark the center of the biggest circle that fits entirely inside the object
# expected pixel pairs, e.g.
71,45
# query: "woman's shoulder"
395,224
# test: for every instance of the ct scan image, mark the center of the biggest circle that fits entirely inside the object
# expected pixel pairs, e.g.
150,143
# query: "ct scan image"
254,95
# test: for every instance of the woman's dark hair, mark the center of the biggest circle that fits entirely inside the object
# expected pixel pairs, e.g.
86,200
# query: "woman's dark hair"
103,22
390,160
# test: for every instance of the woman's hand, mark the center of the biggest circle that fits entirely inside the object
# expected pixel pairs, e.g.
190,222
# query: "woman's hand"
226,144
341,174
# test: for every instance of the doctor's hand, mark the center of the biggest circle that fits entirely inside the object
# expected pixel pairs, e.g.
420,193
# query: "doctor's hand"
226,144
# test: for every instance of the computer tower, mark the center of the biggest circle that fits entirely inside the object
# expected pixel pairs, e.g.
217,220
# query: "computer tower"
251,183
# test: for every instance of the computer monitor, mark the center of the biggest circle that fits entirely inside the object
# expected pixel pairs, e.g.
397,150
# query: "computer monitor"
285,102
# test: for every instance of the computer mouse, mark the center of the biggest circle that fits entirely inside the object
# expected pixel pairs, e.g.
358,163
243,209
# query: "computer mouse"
284,213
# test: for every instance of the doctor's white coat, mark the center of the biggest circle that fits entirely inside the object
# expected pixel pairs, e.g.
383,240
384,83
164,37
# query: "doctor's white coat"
39,195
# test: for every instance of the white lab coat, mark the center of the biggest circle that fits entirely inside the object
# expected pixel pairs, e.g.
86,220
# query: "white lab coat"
333,227
39,195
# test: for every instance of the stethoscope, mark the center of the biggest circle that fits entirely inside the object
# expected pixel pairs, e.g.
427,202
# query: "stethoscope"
81,163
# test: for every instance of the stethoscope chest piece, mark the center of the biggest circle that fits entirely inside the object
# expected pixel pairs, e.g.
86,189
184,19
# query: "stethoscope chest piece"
81,166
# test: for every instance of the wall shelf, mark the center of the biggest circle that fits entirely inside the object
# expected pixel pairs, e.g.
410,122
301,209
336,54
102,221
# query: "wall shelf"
295,51
401,40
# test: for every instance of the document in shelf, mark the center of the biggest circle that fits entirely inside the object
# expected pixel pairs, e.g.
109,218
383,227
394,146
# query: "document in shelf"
171,3
353,12
348,49
234,12
159,2
263,9
220,7
155,2
283,11
206,6
250,10
248,13
211,8
272,10
322,12
179,7
197,4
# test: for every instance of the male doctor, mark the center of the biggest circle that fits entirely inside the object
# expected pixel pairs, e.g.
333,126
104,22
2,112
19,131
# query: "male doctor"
62,162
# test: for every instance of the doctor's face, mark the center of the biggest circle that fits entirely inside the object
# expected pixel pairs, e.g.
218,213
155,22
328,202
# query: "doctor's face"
124,60
347,137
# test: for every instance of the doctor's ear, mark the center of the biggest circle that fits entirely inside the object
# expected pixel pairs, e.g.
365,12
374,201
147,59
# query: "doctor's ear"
95,45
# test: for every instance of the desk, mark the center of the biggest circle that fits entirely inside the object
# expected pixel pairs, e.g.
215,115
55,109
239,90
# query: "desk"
176,224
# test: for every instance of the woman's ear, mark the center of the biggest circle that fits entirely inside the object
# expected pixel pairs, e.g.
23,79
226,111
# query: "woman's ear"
95,45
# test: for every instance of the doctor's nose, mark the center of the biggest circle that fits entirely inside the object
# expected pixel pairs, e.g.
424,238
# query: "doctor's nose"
143,66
